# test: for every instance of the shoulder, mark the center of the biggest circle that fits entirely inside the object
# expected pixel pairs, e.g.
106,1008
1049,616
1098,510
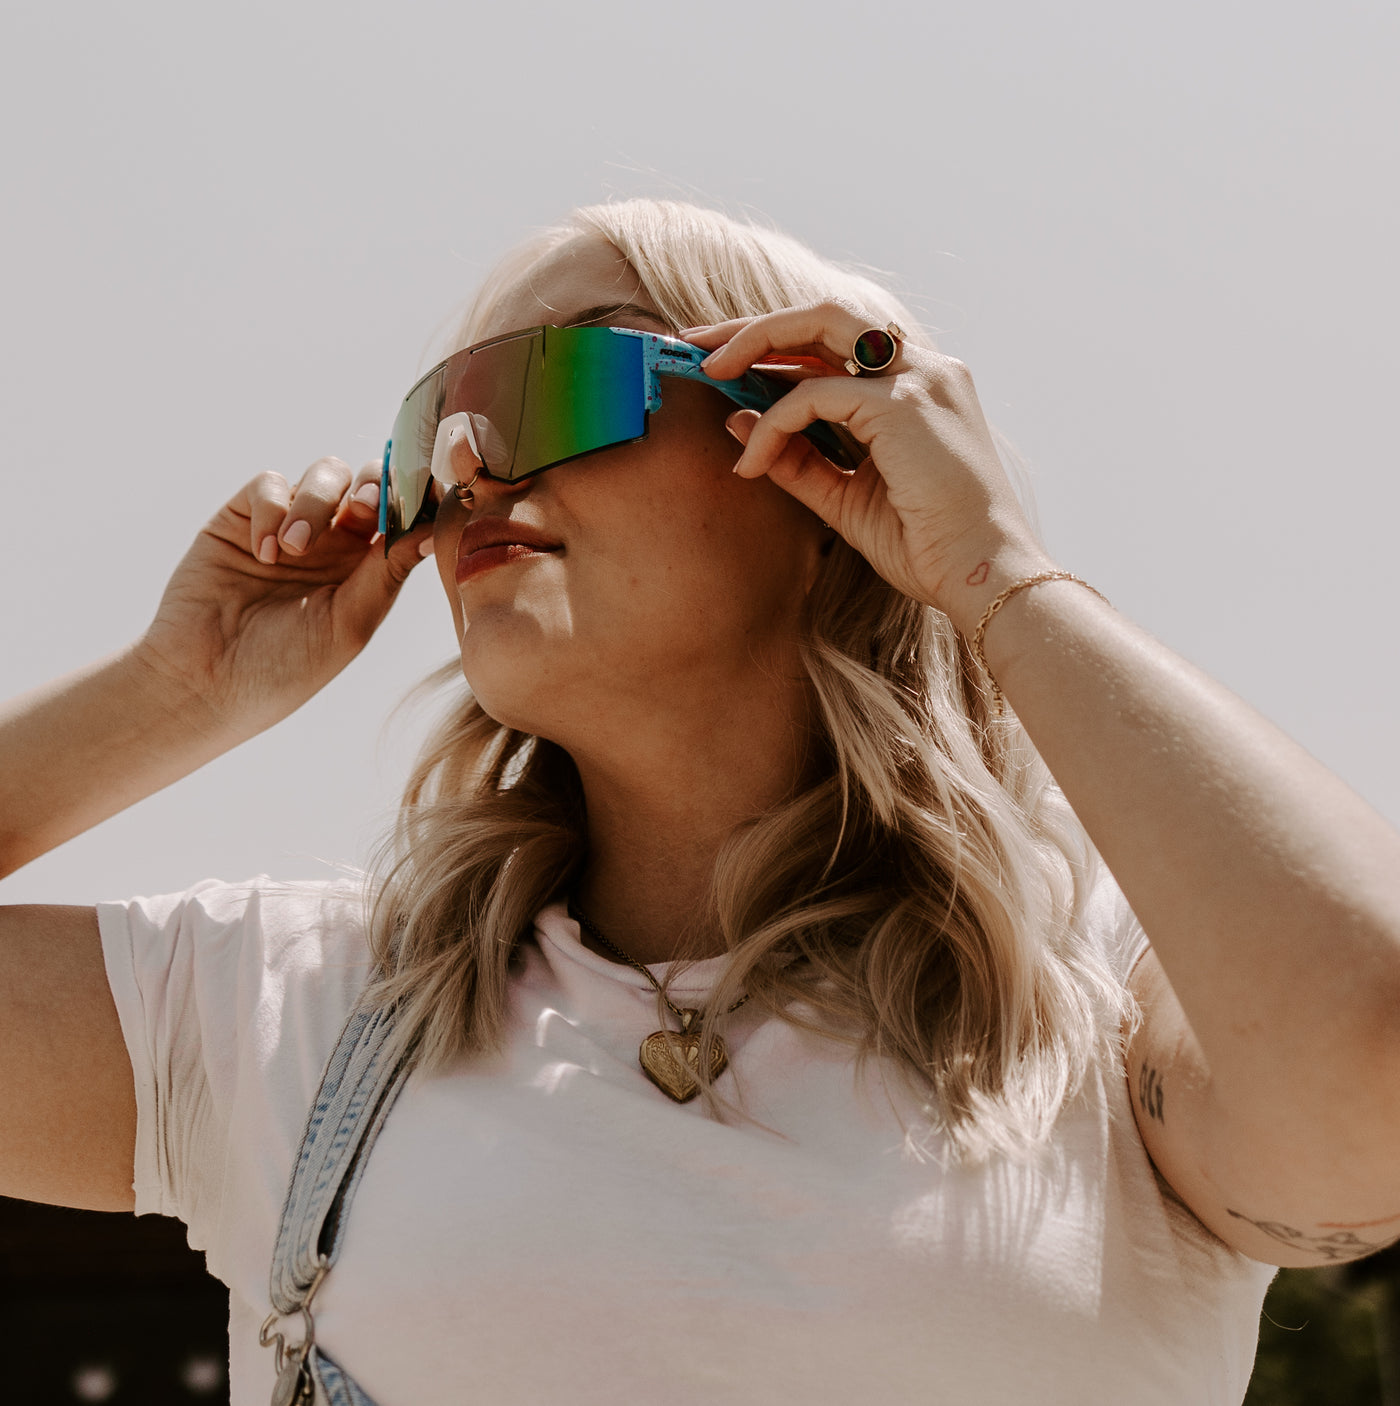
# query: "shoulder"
230,996
285,921
220,955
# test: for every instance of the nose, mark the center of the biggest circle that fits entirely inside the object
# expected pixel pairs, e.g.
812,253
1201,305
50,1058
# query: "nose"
464,464
484,486
462,454
465,441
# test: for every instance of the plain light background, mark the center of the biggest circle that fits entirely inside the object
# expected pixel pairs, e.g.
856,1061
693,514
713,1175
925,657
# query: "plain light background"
1163,237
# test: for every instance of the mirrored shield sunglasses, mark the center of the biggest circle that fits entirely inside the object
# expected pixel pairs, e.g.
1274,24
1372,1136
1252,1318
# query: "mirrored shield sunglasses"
532,400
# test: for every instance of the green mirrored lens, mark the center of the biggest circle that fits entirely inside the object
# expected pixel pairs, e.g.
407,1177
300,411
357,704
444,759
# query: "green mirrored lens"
536,398
543,399
589,394
490,384
411,454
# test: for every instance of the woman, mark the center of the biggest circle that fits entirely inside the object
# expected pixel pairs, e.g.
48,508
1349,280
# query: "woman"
921,1115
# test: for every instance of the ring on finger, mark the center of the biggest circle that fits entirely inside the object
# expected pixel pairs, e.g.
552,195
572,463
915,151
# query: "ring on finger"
875,350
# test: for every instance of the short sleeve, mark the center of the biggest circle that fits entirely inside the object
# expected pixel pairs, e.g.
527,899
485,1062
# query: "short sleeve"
230,997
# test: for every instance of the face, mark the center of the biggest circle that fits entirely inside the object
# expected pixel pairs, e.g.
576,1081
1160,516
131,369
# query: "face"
665,586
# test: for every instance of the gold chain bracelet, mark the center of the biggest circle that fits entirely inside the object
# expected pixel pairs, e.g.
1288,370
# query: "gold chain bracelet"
1001,600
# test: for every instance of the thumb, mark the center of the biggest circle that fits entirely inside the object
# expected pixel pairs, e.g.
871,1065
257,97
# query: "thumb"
367,593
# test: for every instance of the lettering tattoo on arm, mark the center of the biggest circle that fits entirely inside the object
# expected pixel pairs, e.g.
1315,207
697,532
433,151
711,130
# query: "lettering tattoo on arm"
1334,1240
1151,1094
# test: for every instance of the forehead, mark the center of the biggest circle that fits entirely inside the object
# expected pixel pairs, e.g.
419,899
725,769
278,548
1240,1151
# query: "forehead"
584,275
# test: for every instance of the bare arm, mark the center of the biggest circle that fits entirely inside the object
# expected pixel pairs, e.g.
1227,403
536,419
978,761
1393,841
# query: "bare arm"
248,629
85,747
1267,1075
67,1105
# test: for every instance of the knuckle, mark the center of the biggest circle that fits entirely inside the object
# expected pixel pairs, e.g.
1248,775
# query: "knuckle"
269,484
834,307
838,311
398,567
325,475
777,416
319,493
760,429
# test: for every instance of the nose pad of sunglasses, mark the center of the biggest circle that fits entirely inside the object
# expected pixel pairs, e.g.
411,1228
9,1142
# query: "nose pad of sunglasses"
454,443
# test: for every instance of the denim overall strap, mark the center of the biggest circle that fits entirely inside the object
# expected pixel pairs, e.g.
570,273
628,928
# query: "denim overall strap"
357,1090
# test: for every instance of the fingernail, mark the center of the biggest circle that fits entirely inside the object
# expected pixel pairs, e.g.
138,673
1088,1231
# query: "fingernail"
731,423
703,327
368,494
297,536
267,551
425,547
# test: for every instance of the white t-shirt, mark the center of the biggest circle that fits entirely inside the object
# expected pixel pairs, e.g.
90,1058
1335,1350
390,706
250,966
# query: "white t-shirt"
545,1225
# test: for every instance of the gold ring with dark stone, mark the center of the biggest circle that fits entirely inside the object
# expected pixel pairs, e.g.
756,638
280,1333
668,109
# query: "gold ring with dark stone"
875,350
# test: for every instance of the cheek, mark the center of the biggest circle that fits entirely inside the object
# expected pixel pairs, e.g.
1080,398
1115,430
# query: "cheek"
447,528
724,558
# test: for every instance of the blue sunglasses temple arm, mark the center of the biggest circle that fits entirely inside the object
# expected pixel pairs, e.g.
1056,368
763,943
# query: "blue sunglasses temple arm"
668,356
384,492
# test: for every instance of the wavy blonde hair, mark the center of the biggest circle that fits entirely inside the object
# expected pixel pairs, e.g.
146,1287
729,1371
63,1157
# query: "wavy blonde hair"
922,900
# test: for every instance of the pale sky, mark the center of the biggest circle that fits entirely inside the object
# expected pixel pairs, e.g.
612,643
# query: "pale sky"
1163,238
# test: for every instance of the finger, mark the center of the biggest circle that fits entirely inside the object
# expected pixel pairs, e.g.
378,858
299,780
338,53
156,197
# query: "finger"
315,500
713,334
363,601
827,330
816,360
796,467
265,501
839,400
359,511
788,364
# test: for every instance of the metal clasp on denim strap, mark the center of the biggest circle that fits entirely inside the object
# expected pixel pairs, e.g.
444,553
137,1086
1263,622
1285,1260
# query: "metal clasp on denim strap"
285,1351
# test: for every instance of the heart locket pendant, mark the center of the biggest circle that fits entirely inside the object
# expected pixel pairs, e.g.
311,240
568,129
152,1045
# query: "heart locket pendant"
670,1058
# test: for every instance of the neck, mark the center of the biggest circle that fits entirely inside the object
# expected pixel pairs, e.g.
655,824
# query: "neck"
658,816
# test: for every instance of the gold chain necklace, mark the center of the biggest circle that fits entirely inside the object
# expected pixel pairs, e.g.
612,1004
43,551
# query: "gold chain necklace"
669,1058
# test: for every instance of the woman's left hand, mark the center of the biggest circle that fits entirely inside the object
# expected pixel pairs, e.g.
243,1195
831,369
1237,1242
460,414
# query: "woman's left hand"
931,509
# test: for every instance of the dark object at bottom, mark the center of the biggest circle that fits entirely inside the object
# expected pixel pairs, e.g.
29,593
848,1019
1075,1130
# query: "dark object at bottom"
107,1309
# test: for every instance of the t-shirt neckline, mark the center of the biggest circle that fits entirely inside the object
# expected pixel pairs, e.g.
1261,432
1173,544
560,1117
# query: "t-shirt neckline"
556,928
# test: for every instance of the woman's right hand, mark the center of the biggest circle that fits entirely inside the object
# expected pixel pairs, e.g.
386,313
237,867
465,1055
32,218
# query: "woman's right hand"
279,592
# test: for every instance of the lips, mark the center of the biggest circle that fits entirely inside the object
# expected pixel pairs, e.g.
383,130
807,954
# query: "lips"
495,541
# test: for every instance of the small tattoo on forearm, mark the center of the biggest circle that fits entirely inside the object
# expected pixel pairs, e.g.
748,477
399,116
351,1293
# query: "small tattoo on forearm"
1151,1094
983,570
1339,1245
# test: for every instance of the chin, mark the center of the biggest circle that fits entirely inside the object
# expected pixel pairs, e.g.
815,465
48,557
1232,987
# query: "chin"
509,690
502,705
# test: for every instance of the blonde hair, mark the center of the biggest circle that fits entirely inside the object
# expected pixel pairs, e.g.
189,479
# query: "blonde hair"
923,900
